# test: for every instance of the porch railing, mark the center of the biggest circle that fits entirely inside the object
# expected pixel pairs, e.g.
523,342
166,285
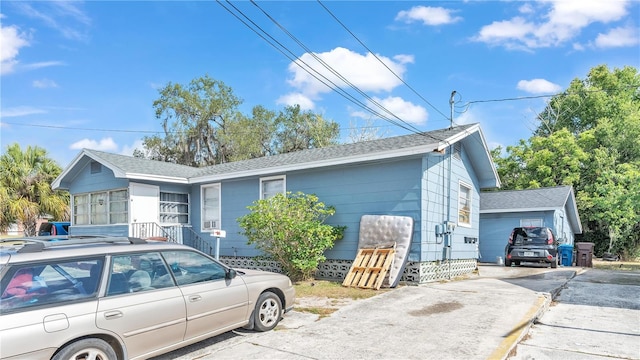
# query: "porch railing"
177,233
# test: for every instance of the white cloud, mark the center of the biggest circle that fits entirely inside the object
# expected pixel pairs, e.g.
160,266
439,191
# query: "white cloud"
20,111
296,99
66,17
44,83
405,110
43,64
431,16
364,71
618,37
12,40
538,86
128,150
562,22
106,144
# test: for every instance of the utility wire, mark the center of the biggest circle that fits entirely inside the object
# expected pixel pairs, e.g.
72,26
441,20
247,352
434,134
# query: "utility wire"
382,62
404,124
151,131
297,61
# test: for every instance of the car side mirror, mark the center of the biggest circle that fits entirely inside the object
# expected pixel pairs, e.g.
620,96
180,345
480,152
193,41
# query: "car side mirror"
230,274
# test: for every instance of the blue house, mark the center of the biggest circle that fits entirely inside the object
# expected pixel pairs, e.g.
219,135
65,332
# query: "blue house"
501,211
433,177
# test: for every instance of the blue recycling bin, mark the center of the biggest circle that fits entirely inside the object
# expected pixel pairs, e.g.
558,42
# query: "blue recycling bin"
565,251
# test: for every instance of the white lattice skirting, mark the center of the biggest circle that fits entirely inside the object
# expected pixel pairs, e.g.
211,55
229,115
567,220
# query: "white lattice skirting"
336,270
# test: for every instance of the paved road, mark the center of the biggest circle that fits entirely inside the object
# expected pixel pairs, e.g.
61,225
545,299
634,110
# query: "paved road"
482,317
596,315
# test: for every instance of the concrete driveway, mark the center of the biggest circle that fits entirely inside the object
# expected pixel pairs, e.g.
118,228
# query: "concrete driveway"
481,317
596,315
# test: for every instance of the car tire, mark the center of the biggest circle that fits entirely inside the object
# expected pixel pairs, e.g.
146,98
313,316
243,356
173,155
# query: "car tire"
507,263
554,263
95,349
268,312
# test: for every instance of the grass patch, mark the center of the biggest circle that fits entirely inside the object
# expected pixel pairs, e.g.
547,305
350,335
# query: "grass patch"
332,290
320,311
617,265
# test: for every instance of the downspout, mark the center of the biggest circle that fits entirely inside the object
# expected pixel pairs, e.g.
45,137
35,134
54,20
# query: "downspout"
449,235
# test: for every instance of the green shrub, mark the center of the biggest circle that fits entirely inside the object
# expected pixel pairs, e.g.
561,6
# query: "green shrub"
290,229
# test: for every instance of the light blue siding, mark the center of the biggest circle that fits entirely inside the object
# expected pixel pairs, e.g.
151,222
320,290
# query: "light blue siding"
420,187
390,188
495,230
437,196
104,180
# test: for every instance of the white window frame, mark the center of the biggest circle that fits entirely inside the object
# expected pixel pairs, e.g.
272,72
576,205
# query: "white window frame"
210,224
530,222
169,209
273,178
92,201
467,200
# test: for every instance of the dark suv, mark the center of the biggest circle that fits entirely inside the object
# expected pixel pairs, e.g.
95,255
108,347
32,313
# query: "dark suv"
532,244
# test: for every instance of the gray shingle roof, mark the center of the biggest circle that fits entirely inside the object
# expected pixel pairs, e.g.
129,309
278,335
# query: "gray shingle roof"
386,148
134,165
544,198
336,152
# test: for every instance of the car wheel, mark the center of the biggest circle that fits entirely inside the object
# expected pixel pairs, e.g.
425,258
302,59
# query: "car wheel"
268,312
507,263
89,349
554,263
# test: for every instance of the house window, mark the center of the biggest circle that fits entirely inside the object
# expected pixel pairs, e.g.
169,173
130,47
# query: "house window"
271,186
118,203
211,207
174,208
81,209
101,208
530,222
464,205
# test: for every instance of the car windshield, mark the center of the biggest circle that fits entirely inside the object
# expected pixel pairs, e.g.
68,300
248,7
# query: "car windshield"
534,235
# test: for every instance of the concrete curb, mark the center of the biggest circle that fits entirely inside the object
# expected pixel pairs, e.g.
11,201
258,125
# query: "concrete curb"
532,316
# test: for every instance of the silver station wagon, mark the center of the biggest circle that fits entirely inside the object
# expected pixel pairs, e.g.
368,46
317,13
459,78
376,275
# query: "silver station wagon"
125,298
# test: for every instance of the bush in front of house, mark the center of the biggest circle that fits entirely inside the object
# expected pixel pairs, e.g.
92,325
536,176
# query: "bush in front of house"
289,228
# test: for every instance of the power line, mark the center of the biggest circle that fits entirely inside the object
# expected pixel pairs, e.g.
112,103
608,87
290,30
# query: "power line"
336,73
382,62
309,68
151,131
297,61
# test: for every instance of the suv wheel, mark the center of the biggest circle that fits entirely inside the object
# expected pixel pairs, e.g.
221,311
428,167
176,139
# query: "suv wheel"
268,311
94,349
554,263
507,263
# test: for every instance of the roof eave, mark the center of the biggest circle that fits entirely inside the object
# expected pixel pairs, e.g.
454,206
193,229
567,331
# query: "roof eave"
417,150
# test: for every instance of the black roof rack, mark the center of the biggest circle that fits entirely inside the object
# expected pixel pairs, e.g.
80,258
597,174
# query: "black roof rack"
37,244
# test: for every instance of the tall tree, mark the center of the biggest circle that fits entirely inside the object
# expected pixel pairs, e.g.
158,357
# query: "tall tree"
589,137
542,162
202,126
195,121
25,188
300,130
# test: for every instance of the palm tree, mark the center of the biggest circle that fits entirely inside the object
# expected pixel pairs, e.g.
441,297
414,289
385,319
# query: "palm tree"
25,188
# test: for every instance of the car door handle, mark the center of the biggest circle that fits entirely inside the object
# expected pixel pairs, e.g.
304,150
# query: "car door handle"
113,315
194,298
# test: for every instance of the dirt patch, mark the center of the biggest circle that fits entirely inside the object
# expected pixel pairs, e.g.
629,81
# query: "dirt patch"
322,302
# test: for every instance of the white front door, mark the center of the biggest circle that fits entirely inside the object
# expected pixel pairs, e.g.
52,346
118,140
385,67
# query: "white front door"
144,204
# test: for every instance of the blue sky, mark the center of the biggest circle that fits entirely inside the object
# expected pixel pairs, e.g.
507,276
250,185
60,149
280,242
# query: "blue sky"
84,74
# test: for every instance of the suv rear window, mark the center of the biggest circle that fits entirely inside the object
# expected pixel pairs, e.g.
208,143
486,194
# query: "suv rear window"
531,235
